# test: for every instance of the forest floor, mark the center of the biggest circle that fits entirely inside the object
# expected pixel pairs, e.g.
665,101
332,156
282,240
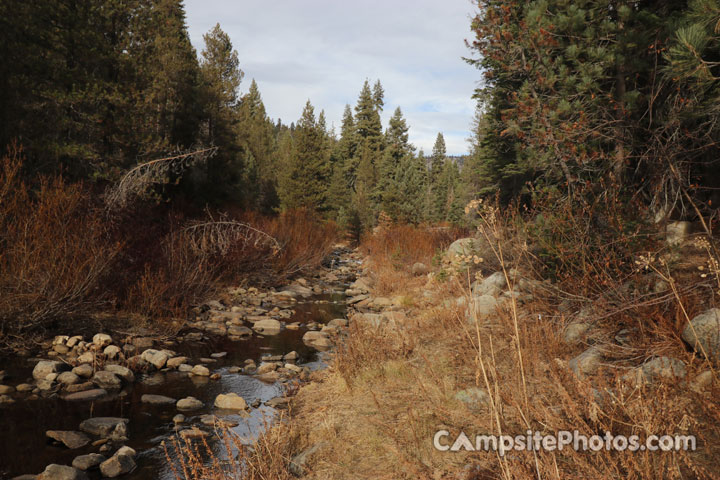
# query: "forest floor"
499,353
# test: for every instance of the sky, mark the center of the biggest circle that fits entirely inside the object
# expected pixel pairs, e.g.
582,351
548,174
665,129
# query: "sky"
323,50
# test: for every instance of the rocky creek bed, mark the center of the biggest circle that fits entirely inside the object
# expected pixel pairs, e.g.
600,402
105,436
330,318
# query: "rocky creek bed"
101,407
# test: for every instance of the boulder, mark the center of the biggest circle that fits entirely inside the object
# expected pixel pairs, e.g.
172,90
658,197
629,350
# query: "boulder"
703,381
86,395
157,399
419,269
230,401
106,380
575,332
587,362
463,247
239,331
677,232
659,368
67,378
102,340
123,372
118,464
268,326
474,397
200,371
175,362
317,340
86,462
491,285
703,334
189,403
156,358
111,351
102,426
46,367
6,389
69,438
484,306
61,472
85,370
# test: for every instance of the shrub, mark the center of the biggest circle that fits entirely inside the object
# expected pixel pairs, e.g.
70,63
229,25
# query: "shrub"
53,251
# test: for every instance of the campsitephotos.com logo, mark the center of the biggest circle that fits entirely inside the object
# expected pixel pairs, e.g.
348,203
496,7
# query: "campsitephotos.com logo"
537,441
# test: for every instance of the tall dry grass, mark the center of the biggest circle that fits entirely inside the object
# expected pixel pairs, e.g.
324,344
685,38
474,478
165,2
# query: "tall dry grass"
391,387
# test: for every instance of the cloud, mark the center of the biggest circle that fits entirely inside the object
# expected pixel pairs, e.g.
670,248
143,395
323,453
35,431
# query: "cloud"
323,50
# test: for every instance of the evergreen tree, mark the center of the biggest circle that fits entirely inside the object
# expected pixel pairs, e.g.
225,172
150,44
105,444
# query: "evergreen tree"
256,133
438,182
397,149
303,185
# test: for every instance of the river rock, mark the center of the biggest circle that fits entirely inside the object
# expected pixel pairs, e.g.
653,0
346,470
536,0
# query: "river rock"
86,395
268,326
291,356
85,370
587,362
102,340
6,400
46,367
317,340
61,472
156,358
111,351
703,381
575,332
200,370
659,368
157,399
703,334
74,340
79,387
474,397
463,247
86,462
338,322
280,403
492,285
69,438
239,331
106,380
419,269
230,401
175,362
6,389
122,372
102,426
189,403
484,306
185,368
118,464
24,387
87,357
297,464
67,378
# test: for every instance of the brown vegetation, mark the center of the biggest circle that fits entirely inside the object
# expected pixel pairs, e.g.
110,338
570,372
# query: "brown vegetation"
390,388
64,256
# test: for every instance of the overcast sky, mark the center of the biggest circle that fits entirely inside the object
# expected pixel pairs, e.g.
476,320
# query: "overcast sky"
323,50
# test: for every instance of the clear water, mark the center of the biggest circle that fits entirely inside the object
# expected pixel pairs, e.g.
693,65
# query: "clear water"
24,447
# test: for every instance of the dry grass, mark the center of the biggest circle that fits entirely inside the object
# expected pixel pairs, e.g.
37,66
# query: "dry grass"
375,411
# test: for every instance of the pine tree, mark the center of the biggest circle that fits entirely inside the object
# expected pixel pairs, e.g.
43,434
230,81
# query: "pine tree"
438,183
256,133
303,185
397,148
220,78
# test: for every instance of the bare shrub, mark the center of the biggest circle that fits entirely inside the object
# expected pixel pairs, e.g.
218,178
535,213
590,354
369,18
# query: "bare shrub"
53,251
